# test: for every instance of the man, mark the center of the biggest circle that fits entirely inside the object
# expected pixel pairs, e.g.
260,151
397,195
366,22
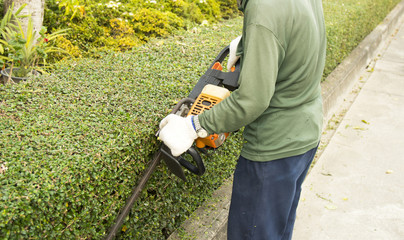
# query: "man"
282,54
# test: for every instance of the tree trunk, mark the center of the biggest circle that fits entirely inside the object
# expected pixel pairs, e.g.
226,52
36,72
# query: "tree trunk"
35,8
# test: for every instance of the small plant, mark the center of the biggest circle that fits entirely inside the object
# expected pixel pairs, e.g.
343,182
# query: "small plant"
7,24
26,51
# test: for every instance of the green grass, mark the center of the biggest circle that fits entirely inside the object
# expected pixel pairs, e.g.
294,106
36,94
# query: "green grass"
76,141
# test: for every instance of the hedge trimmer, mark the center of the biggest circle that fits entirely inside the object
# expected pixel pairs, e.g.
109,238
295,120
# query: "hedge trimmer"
212,87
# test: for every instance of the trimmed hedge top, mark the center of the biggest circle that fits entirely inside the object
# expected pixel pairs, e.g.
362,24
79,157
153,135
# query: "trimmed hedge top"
76,142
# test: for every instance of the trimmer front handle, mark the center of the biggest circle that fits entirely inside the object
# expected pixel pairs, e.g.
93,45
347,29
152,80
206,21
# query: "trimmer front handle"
213,76
176,164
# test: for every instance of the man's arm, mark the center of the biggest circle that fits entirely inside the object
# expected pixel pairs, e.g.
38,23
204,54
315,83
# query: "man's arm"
262,56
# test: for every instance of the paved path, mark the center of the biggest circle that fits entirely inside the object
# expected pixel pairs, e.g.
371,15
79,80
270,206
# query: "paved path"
356,189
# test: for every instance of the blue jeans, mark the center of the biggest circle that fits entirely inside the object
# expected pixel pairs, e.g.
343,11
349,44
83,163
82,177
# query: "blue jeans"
265,197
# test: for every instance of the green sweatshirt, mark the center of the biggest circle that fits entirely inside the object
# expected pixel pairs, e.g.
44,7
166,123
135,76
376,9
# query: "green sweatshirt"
282,53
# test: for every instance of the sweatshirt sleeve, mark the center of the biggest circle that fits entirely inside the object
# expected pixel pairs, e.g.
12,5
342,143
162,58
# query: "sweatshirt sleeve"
261,58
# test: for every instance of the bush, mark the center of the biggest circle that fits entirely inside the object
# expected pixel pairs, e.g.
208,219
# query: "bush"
92,31
76,142
151,23
228,9
348,23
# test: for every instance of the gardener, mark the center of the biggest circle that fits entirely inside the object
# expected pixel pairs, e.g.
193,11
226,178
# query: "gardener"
282,52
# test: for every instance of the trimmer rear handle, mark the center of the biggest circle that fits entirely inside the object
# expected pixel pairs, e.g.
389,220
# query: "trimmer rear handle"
216,77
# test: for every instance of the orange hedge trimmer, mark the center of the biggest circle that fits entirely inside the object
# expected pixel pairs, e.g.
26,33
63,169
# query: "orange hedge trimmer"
212,87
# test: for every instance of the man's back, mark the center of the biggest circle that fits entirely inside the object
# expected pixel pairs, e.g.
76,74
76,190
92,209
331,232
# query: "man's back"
279,99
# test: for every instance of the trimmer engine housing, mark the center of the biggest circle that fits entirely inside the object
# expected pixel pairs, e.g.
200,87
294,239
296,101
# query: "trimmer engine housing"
210,96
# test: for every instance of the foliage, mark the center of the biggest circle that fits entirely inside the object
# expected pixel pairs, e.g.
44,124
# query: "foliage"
7,25
72,8
23,48
348,22
153,23
227,8
92,30
63,43
75,142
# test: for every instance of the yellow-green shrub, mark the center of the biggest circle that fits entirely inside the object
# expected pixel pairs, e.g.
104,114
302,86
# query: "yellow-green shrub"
229,9
66,44
121,35
154,23
188,11
92,29
210,9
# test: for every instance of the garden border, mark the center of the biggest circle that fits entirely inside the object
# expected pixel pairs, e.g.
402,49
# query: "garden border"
209,222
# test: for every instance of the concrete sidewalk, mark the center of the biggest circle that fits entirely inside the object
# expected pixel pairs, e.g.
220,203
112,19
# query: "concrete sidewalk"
356,188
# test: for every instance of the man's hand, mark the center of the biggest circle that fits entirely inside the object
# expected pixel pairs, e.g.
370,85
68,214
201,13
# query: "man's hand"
177,133
232,55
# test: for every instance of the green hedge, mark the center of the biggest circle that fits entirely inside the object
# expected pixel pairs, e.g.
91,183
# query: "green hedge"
121,24
74,143
348,22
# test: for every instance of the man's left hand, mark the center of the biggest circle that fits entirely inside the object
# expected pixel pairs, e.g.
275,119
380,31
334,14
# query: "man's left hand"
177,133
